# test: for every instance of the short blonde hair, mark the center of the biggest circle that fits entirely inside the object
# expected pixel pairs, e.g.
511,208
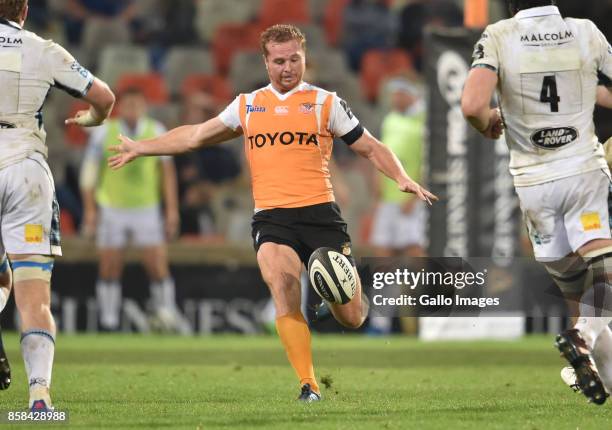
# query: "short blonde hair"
12,9
280,33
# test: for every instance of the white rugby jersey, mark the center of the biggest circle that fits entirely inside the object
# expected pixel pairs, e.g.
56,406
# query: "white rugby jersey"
29,67
548,68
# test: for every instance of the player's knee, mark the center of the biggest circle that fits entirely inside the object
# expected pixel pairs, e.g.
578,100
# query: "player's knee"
352,321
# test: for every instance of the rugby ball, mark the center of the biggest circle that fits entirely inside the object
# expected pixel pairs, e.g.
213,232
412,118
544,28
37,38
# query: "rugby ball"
332,275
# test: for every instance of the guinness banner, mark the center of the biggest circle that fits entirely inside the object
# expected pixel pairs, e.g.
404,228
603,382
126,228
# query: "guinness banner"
478,213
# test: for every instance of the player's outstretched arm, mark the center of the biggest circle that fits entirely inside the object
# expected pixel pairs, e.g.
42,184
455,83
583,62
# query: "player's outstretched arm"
476,101
177,141
386,162
101,100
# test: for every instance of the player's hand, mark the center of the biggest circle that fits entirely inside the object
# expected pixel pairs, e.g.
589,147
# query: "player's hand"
496,125
409,186
84,118
171,225
125,152
88,226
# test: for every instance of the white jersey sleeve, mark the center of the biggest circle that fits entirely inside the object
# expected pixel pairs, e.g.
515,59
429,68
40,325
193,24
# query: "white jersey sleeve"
231,114
604,62
66,73
342,122
486,52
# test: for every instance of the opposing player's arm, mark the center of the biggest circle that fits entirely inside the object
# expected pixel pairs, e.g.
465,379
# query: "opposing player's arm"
476,102
177,141
386,162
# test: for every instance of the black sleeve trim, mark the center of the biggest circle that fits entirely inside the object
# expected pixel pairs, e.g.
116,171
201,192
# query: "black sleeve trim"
71,91
485,66
353,135
604,79
88,87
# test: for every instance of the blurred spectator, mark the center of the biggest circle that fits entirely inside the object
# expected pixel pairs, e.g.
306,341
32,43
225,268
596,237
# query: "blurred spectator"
80,11
38,15
201,173
399,220
366,24
124,208
414,17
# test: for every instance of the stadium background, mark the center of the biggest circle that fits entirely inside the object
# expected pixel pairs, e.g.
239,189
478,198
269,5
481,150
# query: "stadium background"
191,57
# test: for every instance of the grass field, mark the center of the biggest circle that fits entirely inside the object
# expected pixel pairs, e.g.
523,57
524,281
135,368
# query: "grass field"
122,381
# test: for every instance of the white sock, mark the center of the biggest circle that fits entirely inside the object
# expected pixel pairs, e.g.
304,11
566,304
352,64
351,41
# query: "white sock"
4,296
108,294
602,355
37,348
591,327
595,312
157,294
169,292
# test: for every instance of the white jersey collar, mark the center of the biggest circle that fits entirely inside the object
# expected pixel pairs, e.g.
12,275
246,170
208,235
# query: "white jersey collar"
301,86
10,23
537,11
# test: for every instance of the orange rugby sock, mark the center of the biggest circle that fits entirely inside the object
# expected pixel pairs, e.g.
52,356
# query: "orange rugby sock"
295,336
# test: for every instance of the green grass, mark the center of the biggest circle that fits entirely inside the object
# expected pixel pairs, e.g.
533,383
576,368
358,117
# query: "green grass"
119,381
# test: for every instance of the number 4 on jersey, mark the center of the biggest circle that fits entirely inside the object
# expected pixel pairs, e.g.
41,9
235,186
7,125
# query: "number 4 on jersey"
549,93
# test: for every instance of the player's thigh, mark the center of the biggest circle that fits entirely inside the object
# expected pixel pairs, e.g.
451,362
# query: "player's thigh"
30,214
146,227
280,268
544,221
586,214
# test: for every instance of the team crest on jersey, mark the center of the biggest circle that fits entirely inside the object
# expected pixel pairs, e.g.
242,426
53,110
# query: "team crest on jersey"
307,108
553,138
253,108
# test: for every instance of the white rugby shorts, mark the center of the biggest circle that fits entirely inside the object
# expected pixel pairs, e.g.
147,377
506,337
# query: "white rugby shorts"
396,230
29,209
141,227
565,214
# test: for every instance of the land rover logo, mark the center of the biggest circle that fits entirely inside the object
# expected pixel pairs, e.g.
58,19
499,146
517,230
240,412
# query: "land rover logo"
552,138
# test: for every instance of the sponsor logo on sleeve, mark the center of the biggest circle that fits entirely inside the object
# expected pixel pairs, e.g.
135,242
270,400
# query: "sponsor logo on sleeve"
553,138
33,233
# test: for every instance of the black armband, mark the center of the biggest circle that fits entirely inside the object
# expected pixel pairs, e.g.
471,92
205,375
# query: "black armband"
353,135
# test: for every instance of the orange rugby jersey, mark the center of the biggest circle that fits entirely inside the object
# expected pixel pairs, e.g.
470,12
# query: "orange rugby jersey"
288,141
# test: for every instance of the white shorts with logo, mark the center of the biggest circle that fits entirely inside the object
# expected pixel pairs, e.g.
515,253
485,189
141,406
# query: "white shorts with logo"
563,215
140,227
396,230
29,209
